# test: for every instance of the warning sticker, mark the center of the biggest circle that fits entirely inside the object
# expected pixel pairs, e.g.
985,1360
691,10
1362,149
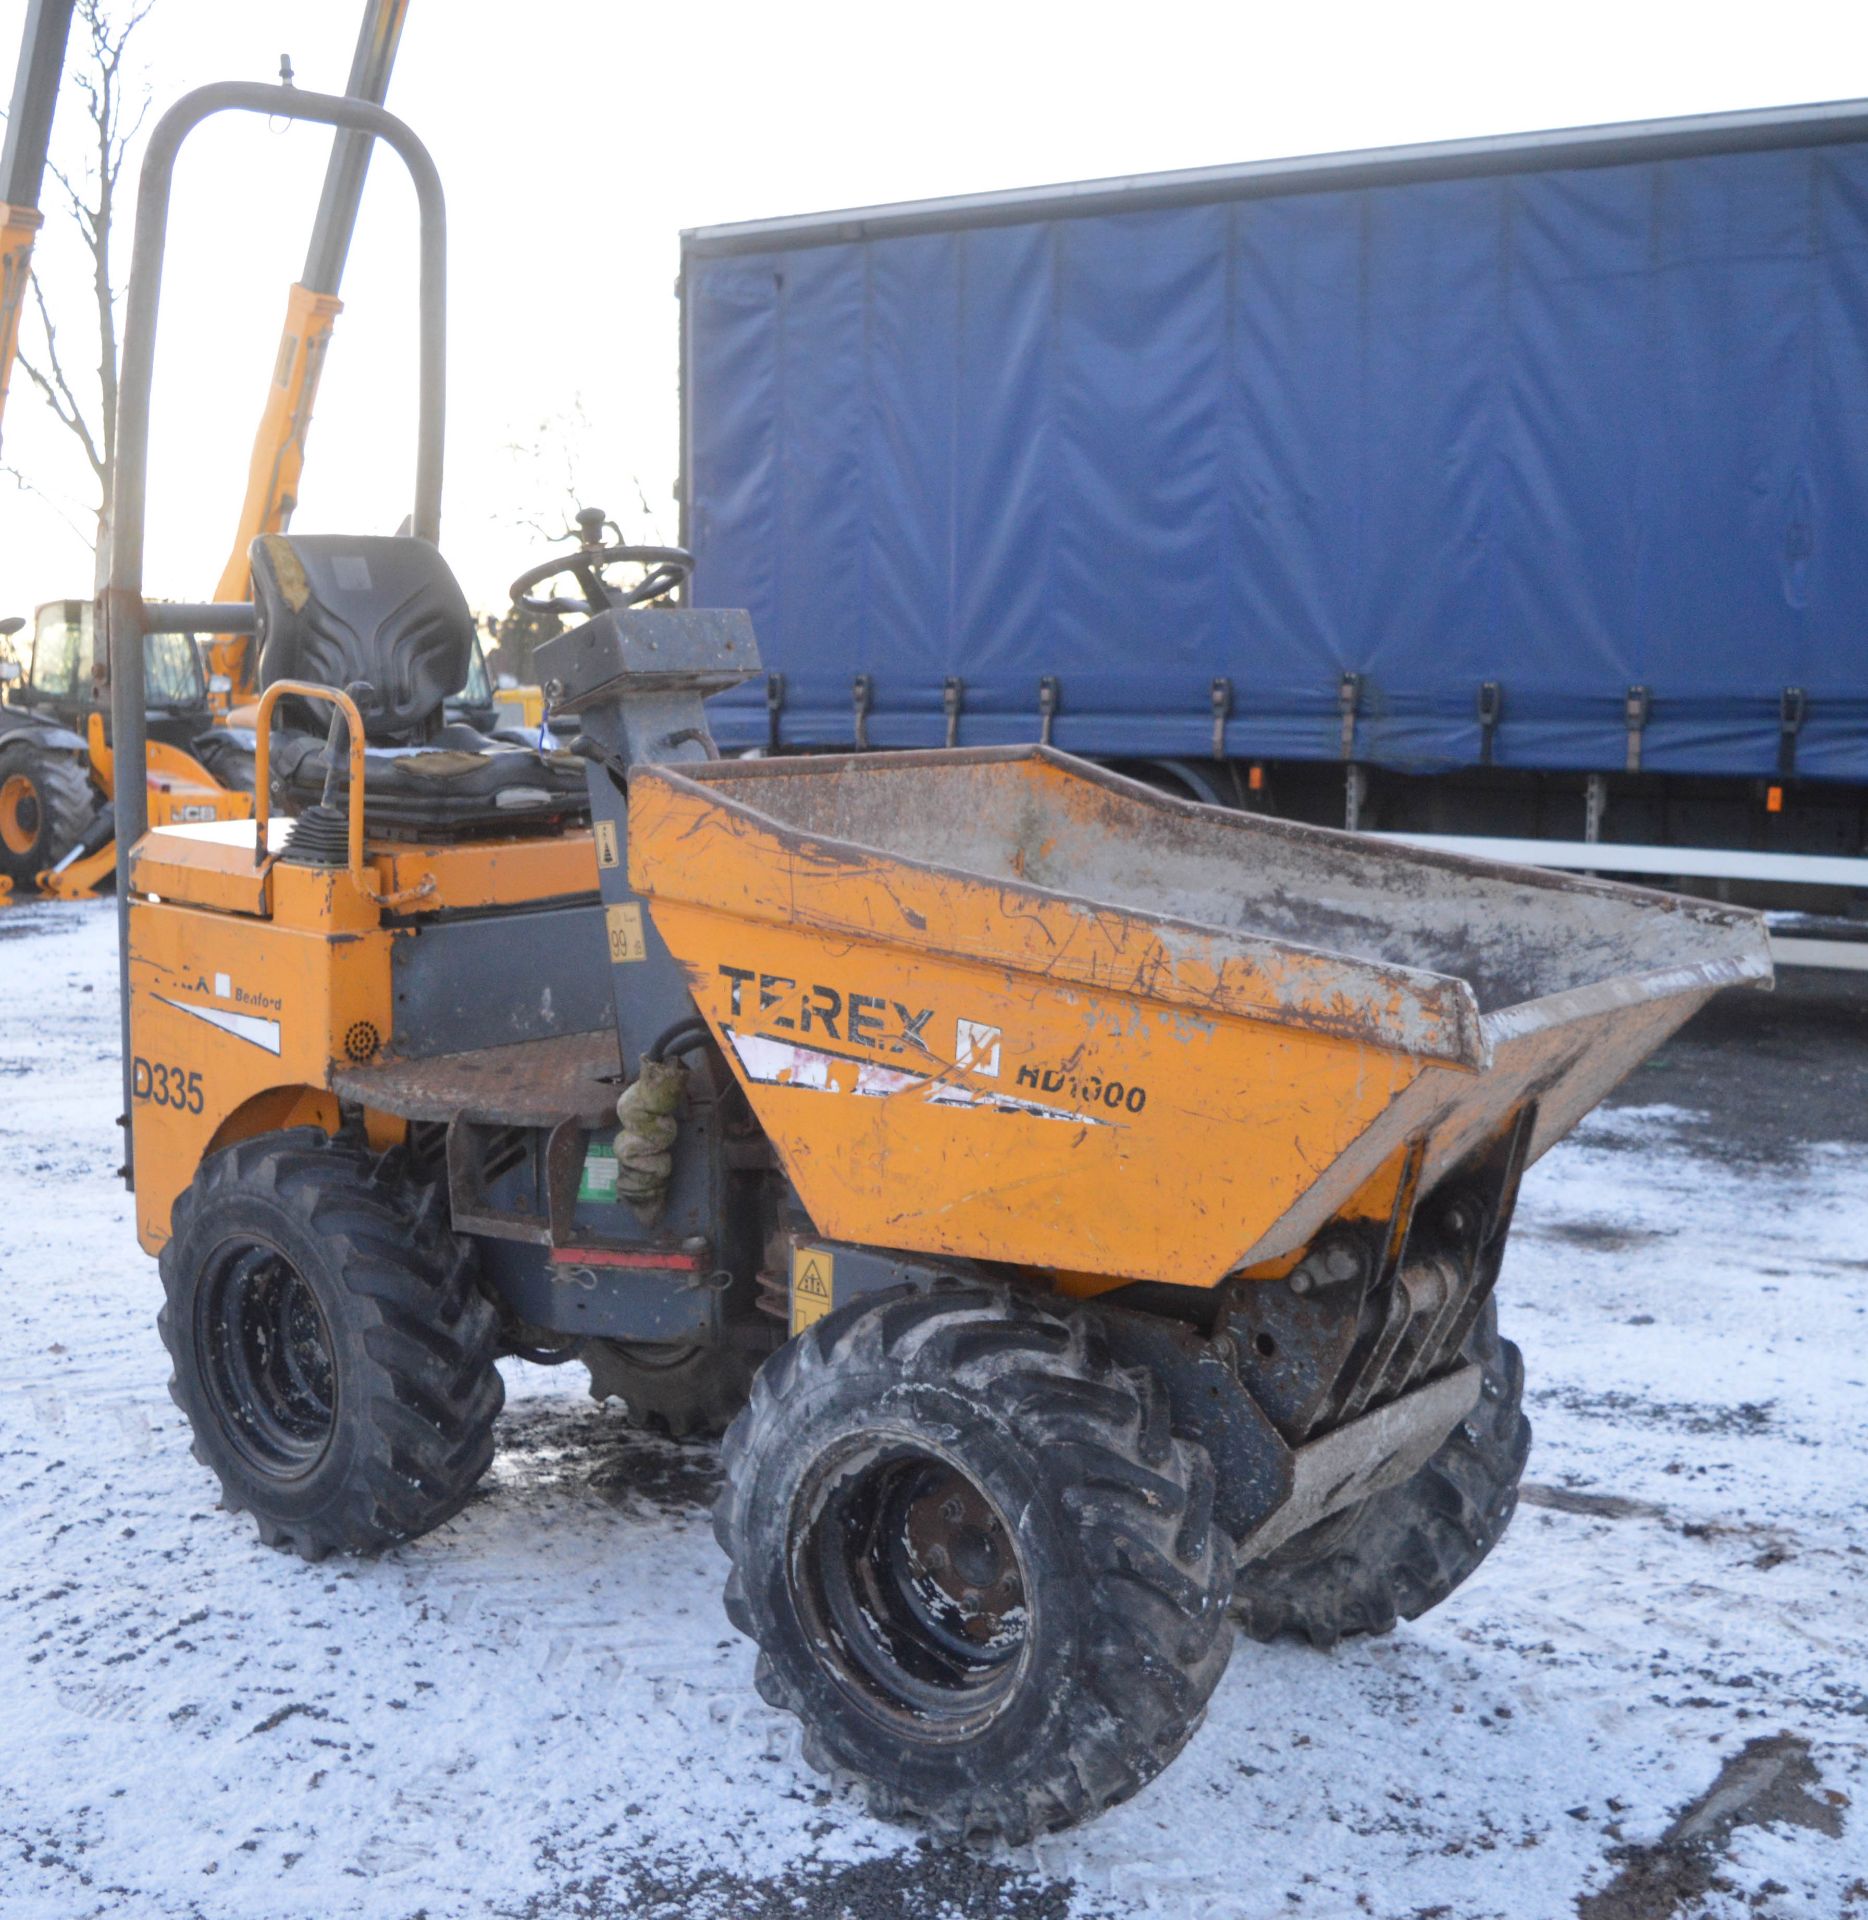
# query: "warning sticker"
812,1274
625,928
607,851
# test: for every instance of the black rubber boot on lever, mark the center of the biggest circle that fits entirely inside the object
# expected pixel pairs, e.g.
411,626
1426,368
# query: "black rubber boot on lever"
320,836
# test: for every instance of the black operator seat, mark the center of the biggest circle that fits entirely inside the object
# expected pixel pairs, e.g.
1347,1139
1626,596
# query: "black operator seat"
339,609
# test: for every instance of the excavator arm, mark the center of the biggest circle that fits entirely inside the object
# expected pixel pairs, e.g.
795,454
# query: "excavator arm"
311,311
22,163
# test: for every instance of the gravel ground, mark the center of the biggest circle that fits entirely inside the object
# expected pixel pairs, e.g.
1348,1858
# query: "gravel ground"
1768,1075
1652,1701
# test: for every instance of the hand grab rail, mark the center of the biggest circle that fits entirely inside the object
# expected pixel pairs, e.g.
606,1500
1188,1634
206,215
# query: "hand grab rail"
262,771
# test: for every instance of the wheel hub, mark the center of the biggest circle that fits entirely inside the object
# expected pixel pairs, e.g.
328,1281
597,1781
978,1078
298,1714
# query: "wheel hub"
914,1582
267,1359
19,813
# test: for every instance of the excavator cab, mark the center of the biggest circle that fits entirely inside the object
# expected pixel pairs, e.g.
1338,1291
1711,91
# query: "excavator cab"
57,765
61,683
57,773
46,796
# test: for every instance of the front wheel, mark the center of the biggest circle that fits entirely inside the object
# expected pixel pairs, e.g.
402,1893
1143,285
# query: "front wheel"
331,1350
46,803
979,1565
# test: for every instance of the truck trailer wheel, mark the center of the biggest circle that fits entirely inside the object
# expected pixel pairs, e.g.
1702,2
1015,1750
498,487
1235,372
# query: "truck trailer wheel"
979,1566
1403,1551
46,803
331,1350
687,1392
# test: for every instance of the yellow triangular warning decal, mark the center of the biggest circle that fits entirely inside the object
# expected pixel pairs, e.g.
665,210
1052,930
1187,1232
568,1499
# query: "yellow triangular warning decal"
811,1278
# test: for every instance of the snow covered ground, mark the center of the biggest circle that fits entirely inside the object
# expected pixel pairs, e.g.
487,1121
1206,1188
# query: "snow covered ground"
1653,1700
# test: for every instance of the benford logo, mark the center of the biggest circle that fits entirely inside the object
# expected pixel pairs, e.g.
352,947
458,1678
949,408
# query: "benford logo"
223,986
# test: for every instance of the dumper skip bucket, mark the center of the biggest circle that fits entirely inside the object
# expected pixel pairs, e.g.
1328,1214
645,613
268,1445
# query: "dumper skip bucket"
1001,1004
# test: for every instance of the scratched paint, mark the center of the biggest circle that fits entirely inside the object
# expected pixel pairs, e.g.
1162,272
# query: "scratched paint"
1246,1019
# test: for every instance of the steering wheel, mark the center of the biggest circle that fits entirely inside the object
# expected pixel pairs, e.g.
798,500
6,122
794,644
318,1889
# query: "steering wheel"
667,568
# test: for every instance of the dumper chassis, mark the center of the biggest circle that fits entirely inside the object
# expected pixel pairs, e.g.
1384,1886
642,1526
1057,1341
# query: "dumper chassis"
1096,1200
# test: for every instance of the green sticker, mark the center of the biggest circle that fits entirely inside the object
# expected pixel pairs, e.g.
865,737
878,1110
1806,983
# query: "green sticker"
599,1179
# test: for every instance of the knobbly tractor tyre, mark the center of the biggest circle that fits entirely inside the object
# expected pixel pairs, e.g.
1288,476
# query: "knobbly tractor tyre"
690,1392
227,758
1403,1551
46,803
978,1564
331,1349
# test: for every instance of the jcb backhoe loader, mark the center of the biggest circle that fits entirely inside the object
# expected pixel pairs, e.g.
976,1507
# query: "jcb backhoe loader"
57,772
1103,1194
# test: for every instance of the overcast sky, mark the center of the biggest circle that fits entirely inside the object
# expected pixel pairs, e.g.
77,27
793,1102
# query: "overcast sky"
576,138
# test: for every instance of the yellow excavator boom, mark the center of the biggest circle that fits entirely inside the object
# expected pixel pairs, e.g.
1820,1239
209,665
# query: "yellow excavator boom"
311,310
22,163
18,226
278,459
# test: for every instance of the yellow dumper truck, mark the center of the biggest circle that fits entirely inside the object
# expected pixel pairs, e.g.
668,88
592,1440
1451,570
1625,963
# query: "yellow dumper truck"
1087,1206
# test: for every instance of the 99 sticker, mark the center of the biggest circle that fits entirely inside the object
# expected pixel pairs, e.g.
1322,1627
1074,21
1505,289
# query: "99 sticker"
624,926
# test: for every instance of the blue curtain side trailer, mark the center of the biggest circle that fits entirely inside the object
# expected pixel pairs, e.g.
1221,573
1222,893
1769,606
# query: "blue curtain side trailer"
1512,487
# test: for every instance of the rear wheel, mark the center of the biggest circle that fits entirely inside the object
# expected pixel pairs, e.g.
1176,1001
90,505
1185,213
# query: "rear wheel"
331,1350
979,1565
1403,1551
228,759
687,1392
46,803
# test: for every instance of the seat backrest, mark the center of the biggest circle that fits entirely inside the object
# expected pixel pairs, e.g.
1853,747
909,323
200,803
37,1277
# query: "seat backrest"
341,608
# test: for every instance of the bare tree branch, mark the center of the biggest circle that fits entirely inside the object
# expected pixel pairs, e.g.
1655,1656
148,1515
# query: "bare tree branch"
57,388
89,191
128,138
33,487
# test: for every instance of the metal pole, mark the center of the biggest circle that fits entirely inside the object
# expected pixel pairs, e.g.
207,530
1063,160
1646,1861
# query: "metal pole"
22,163
35,96
350,151
120,611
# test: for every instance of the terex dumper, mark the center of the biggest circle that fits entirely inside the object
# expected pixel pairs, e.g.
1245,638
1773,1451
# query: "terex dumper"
1090,1201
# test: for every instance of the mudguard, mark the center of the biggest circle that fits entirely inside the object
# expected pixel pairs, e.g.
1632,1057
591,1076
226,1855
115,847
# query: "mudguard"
19,722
